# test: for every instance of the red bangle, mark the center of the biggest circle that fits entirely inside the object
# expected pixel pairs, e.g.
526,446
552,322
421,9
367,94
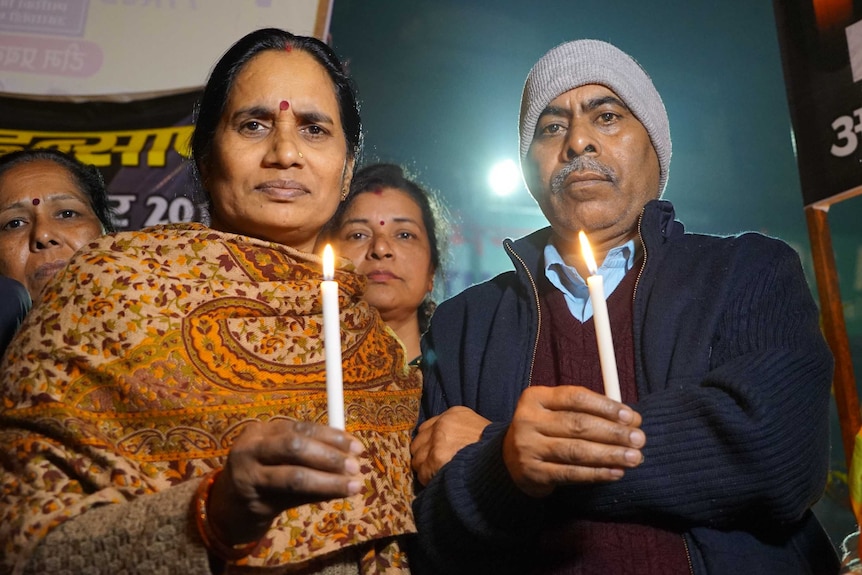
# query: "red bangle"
211,537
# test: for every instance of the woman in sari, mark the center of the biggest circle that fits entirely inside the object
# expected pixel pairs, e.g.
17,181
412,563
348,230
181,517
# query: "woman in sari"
164,406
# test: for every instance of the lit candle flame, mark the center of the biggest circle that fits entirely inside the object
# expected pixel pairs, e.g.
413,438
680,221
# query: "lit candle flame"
328,263
601,320
587,252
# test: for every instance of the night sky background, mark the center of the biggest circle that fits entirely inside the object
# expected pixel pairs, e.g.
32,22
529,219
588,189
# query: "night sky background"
440,83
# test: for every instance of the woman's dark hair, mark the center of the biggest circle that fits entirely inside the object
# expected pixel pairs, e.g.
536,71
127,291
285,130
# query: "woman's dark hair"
376,176
88,178
221,80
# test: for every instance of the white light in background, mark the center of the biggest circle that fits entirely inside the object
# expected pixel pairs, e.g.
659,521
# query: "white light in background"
504,177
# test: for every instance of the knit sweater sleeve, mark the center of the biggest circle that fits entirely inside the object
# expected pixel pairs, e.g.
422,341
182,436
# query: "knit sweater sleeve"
471,517
151,534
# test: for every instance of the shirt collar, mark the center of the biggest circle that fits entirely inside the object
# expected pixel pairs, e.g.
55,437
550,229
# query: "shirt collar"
618,258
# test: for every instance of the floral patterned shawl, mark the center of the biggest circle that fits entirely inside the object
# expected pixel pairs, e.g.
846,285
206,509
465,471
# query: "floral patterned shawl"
153,350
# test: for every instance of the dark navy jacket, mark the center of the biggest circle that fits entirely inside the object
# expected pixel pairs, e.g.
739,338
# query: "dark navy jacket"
14,305
733,377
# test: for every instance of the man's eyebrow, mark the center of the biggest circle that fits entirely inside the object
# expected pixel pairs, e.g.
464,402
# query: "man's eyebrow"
587,106
554,111
594,103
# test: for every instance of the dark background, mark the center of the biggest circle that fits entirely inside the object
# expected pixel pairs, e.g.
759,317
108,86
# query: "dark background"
440,83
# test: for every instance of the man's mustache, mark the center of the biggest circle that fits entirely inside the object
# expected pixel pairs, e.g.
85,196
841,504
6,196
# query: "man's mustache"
581,164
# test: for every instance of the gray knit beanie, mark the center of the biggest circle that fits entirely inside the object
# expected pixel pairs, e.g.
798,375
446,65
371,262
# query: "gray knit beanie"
583,62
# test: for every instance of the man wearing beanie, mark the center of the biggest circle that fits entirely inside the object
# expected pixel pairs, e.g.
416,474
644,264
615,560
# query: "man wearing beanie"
719,448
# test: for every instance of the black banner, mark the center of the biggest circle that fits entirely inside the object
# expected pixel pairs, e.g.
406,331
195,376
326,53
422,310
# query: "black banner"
821,50
140,146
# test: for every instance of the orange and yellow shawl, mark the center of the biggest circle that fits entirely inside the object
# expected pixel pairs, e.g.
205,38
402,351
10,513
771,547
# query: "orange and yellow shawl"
153,350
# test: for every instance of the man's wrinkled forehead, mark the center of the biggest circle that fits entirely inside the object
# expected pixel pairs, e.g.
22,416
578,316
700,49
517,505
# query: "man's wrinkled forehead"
564,105
559,105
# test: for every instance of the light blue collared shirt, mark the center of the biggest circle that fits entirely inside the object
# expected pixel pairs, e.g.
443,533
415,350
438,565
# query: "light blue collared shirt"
567,279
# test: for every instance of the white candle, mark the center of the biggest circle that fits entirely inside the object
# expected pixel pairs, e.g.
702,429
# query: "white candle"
602,322
332,341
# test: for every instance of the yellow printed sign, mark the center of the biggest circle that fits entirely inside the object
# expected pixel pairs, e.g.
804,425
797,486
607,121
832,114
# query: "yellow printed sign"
97,148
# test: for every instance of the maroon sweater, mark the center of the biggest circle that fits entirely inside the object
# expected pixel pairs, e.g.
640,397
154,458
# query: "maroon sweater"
567,354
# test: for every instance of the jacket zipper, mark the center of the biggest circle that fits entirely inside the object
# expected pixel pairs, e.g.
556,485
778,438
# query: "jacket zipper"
634,295
538,311
643,263
688,555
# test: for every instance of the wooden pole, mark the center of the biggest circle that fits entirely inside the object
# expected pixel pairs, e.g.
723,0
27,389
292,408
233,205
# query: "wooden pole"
834,329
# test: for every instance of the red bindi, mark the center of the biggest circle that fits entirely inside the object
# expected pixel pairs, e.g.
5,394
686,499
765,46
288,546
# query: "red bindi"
35,201
284,105
382,222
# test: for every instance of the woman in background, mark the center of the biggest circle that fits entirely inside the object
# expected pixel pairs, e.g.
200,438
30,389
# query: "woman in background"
392,229
51,204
